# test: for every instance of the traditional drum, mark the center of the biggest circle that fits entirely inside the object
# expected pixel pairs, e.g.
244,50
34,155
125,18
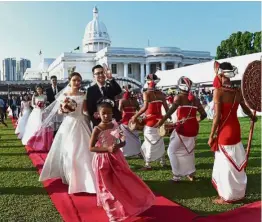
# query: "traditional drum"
251,90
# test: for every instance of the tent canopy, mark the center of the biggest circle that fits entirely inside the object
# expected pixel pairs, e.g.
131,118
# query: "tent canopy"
204,72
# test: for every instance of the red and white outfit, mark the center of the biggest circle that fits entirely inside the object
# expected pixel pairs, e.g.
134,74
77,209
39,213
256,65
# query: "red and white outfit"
182,143
229,177
153,147
133,144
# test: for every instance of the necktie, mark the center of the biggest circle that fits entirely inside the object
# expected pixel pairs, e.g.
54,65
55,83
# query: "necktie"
55,91
103,90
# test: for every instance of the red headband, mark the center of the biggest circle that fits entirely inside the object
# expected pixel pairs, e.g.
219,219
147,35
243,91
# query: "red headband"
126,95
217,82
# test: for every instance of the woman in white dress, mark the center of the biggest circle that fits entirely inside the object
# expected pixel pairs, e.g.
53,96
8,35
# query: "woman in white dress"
24,115
69,157
35,119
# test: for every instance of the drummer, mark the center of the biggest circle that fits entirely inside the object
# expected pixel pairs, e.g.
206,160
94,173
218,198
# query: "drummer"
182,140
229,176
153,147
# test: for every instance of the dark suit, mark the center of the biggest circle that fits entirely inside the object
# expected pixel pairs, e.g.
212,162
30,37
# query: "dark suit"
50,94
18,104
112,89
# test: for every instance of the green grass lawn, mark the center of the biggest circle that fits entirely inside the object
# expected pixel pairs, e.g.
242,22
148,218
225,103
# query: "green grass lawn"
23,198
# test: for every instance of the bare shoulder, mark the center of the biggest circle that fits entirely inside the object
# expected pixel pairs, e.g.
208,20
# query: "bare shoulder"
97,130
177,98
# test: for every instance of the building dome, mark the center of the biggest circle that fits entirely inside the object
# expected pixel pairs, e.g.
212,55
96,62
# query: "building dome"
96,36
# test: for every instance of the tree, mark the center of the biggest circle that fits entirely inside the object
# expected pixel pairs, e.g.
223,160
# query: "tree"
257,41
239,44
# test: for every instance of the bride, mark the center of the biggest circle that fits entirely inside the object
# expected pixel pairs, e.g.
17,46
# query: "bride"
69,157
24,115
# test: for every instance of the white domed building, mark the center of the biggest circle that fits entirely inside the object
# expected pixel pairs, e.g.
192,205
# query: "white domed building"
129,63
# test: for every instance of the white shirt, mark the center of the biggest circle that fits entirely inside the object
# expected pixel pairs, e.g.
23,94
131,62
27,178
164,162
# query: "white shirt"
100,88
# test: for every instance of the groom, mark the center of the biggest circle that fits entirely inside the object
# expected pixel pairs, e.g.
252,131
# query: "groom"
105,86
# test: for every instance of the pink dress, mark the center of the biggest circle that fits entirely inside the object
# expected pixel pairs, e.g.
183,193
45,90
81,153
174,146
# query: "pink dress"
120,192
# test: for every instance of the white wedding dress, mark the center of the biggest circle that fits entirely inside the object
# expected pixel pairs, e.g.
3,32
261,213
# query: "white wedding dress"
35,119
69,157
22,121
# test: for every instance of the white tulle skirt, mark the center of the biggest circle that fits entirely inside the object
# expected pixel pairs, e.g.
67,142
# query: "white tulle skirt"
22,122
33,125
69,157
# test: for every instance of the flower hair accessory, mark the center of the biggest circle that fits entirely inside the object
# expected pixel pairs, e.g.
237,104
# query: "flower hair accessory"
111,102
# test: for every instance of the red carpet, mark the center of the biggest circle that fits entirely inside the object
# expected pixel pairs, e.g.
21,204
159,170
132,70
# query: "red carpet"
82,207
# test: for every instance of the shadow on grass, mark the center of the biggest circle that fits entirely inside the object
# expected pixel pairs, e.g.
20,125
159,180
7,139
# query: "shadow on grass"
7,140
184,189
8,129
136,167
204,154
13,154
202,166
254,162
11,146
30,190
2,169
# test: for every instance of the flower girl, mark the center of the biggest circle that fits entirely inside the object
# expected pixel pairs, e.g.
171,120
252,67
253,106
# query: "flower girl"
120,192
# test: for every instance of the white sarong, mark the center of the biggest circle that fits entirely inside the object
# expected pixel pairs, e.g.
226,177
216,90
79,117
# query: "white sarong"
229,177
153,148
181,154
133,144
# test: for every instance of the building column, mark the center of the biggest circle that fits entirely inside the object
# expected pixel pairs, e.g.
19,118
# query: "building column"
125,69
142,73
147,69
163,66
176,65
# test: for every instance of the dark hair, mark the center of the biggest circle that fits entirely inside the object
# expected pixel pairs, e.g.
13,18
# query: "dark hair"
154,77
102,103
53,77
96,67
74,74
128,86
27,97
38,86
226,66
